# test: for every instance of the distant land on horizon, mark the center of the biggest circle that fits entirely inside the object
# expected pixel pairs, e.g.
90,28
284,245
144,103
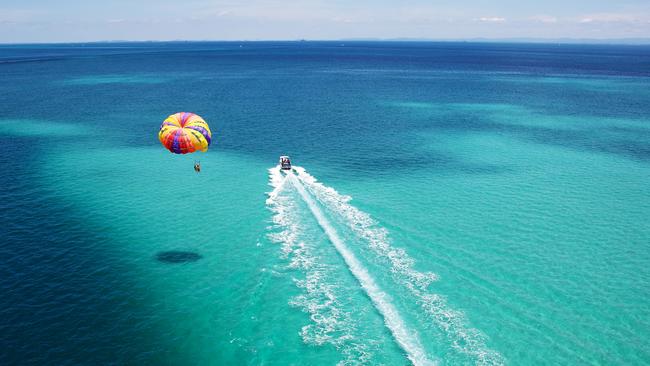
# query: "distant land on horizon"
594,41
627,41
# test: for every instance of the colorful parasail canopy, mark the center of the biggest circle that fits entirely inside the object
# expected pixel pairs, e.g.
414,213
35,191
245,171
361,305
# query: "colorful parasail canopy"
184,132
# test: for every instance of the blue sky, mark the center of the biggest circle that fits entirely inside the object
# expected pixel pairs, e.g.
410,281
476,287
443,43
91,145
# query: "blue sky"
66,20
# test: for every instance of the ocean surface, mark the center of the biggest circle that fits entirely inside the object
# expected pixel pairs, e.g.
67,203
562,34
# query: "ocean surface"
452,204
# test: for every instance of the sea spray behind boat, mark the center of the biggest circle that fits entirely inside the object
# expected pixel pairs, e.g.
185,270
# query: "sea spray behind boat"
320,297
405,337
452,323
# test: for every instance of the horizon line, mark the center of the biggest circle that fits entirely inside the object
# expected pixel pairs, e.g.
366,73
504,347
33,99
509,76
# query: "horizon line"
628,41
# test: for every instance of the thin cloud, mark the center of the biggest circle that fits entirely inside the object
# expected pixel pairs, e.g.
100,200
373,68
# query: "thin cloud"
492,19
544,19
613,18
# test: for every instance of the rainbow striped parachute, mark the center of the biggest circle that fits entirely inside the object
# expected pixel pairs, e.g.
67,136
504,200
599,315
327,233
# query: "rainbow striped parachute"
183,133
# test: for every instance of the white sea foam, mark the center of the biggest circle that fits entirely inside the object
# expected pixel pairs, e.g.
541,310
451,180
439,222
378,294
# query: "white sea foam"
277,181
405,337
450,322
330,323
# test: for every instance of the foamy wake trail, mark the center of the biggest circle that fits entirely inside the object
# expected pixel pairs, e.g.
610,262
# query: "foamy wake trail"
330,323
450,322
405,337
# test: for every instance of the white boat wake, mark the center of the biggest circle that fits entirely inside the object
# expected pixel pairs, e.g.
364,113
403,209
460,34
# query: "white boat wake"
330,323
466,340
406,338
463,339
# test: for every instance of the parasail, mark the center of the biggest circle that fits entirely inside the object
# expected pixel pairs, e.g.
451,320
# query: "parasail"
184,132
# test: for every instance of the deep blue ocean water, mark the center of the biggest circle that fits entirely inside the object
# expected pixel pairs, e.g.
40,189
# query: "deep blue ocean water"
496,195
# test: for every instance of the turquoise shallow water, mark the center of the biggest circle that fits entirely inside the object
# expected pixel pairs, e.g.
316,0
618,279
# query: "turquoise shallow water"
457,203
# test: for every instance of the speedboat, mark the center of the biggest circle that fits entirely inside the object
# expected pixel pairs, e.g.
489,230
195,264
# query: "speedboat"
285,162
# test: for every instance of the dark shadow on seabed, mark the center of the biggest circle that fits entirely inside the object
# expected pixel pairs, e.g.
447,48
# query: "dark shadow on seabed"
61,291
629,142
178,256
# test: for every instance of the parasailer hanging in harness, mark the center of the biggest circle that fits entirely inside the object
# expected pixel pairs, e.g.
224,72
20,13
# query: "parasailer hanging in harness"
183,133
